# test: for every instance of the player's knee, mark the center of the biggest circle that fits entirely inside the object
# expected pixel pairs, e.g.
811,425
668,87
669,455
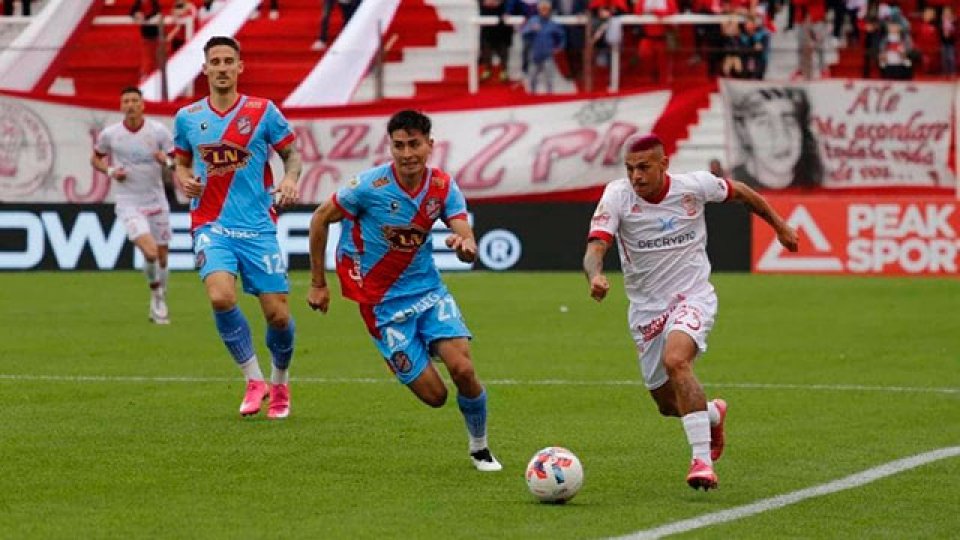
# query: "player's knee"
462,372
436,399
222,300
150,254
675,364
278,319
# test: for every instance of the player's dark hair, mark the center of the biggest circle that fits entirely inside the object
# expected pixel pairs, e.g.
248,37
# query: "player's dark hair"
409,120
217,41
131,90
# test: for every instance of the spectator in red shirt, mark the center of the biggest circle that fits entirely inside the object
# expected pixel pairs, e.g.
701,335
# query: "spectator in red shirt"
927,40
653,44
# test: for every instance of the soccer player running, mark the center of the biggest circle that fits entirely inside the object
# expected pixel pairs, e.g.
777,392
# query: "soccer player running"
138,148
223,143
657,221
385,263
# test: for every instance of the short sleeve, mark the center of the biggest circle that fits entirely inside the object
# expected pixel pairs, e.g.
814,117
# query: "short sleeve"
606,218
102,145
455,206
713,189
350,198
278,131
165,138
181,141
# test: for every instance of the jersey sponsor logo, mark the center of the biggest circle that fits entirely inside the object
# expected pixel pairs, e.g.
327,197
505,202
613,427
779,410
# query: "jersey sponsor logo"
636,208
600,219
847,235
223,157
380,182
668,241
689,204
432,208
404,238
421,306
667,223
244,125
195,108
253,104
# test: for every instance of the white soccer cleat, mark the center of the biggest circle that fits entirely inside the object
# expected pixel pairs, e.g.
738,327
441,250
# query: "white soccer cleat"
159,314
484,461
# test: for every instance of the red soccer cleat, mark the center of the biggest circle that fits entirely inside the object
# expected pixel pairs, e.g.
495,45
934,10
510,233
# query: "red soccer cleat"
279,401
701,475
253,398
716,432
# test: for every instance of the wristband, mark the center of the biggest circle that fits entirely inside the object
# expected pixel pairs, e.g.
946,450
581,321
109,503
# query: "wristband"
110,171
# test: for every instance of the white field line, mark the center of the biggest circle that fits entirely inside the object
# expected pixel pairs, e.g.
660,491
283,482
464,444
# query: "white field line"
773,503
495,382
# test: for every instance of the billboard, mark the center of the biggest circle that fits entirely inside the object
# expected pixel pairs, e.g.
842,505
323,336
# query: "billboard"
855,235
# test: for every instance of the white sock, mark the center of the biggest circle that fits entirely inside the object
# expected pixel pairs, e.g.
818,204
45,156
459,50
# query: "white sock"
164,274
280,376
697,426
251,369
477,443
152,271
713,412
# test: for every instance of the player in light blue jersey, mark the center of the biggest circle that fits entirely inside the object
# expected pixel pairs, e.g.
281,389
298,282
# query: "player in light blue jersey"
222,144
385,264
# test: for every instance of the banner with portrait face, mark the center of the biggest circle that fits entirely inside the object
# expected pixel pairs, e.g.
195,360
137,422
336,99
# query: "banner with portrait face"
839,134
506,151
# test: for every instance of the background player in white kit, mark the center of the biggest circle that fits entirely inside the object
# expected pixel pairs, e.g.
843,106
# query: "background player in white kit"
657,220
138,149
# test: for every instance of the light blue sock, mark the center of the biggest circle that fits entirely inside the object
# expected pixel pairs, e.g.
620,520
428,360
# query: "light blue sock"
474,414
280,343
235,333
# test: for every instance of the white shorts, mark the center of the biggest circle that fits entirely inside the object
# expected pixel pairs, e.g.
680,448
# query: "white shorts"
693,316
140,220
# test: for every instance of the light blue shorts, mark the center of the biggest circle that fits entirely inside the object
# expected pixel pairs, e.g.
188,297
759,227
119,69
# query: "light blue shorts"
409,328
254,257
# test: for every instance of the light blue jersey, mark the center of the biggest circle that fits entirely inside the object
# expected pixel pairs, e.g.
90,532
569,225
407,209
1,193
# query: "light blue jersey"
230,152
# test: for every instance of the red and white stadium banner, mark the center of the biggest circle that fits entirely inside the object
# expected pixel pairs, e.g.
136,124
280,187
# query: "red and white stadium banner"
507,151
859,235
840,134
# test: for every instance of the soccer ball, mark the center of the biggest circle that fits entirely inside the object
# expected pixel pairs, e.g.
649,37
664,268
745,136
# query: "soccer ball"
554,475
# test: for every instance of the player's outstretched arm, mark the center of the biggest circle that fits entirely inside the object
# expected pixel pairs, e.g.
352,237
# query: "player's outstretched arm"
759,206
287,192
318,298
593,268
462,240
184,175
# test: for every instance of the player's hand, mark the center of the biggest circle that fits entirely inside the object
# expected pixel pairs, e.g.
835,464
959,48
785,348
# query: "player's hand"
318,298
191,186
788,238
599,287
286,193
118,173
466,248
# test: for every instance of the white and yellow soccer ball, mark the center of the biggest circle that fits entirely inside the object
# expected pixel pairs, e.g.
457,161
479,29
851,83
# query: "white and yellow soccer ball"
554,475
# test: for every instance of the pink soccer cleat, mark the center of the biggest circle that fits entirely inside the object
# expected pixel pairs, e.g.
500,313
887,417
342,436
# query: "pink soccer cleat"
253,398
716,432
701,475
279,401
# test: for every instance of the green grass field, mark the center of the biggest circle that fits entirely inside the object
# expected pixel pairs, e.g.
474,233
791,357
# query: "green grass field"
115,428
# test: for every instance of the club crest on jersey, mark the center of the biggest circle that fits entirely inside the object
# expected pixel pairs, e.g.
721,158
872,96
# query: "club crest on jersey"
432,208
204,126
404,238
223,157
689,204
244,125
380,182
394,207
635,209
400,362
